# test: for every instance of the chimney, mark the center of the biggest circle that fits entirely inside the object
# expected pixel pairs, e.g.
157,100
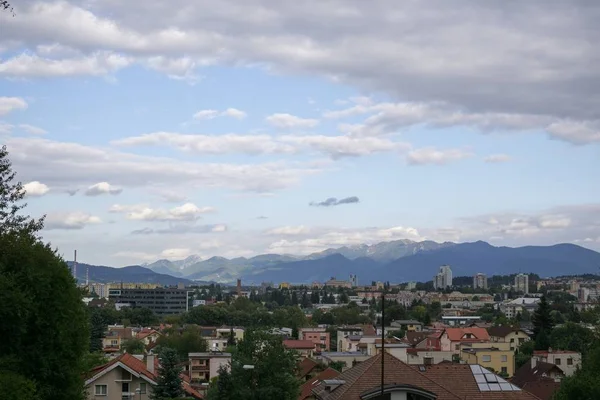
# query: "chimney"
549,349
150,363
533,362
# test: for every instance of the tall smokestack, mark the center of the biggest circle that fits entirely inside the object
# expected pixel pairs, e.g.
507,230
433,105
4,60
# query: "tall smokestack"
87,276
239,287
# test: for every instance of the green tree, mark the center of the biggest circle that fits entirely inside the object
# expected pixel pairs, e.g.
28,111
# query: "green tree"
524,353
168,383
542,340
133,346
188,341
16,387
337,365
93,360
542,319
98,326
44,322
574,337
584,385
273,375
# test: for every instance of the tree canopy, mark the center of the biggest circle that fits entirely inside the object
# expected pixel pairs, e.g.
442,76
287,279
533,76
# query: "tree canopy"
168,383
44,325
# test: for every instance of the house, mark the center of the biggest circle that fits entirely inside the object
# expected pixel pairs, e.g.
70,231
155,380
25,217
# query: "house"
205,365
452,338
423,340
408,325
567,361
319,336
127,377
508,334
307,387
444,381
349,359
306,348
416,356
307,369
225,332
493,358
217,344
539,378
148,336
115,337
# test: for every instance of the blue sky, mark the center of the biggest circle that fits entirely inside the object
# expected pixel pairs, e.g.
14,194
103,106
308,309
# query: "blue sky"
158,136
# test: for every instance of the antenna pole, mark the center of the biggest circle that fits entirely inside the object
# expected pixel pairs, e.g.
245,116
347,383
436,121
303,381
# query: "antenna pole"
75,266
382,340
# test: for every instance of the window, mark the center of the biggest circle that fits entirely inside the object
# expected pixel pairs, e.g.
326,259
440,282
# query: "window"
557,361
143,387
101,390
114,342
125,387
504,370
569,361
512,340
486,358
457,347
504,358
521,340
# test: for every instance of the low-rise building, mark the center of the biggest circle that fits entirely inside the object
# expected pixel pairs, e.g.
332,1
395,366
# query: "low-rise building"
452,338
493,358
349,358
567,361
515,336
205,366
319,336
115,337
305,348
408,325
539,378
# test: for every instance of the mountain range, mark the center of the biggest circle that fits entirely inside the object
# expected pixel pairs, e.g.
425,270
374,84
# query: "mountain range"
395,261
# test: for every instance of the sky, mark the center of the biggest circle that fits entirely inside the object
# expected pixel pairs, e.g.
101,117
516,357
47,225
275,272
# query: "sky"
236,128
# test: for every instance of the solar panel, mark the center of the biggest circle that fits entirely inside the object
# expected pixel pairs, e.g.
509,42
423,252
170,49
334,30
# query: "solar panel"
487,381
494,387
483,387
479,378
491,378
506,387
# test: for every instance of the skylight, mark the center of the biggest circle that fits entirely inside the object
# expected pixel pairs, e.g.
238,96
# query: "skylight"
490,382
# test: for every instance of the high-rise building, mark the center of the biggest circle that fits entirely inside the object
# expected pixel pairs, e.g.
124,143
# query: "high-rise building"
480,281
443,278
522,283
353,280
162,301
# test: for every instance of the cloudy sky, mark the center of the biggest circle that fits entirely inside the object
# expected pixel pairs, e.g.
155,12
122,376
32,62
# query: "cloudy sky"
235,128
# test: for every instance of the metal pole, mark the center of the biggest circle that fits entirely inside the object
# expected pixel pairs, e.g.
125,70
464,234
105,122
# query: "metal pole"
382,339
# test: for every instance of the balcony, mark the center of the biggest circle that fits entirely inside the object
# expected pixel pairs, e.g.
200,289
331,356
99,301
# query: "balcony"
200,367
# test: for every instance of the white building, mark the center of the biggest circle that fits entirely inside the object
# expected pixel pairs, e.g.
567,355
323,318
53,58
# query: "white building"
522,283
443,279
480,281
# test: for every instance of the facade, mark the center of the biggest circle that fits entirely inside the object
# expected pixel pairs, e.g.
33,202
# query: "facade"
567,361
452,338
353,280
115,337
408,325
305,348
349,358
507,334
205,366
522,283
319,336
337,283
492,358
443,278
480,281
162,301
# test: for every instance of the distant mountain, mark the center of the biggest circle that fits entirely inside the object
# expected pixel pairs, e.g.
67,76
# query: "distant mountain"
384,251
467,259
132,274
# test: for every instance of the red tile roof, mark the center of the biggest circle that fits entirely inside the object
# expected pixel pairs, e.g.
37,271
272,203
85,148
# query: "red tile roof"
306,388
457,334
546,352
544,389
306,366
298,344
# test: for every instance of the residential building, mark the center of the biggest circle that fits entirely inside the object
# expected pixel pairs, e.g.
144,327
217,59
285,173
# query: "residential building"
147,336
305,348
225,332
127,377
411,285
349,358
162,301
511,308
480,281
417,356
460,320
491,357
402,381
515,336
407,325
307,387
522,283
114,338
393,347
353,280
452,338
205,366
337,283
443,278
539,378
319,336
567,361
217,343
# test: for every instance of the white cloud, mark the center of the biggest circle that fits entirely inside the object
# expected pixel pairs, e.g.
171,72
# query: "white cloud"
431,155
74,220
288,231
575,132
31,65
288,121
34,130
10,104
176,253
142,212
5,128
211,114
554,221
102,188
181,69
497,158
35,189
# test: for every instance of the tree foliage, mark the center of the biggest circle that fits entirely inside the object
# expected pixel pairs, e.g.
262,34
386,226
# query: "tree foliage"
584,385
44,325
184,341
542,319
272,378
133,346
169,382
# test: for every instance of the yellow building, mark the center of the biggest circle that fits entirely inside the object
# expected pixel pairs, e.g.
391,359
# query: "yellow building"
497,358
284,285
508,334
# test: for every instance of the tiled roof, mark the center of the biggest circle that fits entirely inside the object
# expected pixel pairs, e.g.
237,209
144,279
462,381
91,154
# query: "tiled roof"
368,330
544,389
306,366
527,374
414,338
449,381
502,331
546,352
298,344
306,388
457,334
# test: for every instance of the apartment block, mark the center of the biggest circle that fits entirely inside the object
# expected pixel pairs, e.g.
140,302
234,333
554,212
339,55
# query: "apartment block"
162,301
319,336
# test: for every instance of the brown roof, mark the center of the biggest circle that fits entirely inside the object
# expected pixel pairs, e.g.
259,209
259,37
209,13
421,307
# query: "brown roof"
306,388
448,381
550,351
369,330
544,389
527,374
502,331
298,344
306,366
457,334
414,338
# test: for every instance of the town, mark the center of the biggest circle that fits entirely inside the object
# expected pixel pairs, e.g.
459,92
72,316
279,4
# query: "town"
517,333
